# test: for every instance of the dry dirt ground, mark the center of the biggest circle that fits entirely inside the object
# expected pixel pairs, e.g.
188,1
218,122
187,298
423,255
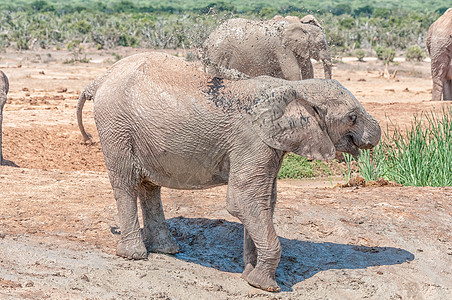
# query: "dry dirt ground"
58,224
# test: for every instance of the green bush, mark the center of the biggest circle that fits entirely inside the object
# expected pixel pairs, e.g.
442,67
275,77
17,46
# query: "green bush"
414,54
297,167
172,24
359,53
385,54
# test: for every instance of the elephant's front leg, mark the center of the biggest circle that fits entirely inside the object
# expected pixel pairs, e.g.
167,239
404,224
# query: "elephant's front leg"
253,201
307,70
447,90
1,119
249,248
2,104
289,66
156,233
438,78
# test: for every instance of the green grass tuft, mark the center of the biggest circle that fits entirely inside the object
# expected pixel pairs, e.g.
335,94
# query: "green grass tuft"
422,156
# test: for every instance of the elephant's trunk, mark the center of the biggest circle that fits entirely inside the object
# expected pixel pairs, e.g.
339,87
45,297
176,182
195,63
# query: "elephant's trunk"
327,65
81,102
371,135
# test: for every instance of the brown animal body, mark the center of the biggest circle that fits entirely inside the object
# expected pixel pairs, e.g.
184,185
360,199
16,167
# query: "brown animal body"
439,46
4,88
163,122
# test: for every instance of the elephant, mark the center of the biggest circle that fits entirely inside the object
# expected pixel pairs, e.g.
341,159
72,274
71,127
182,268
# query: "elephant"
4,88
439,46
308,19
282,47
163,122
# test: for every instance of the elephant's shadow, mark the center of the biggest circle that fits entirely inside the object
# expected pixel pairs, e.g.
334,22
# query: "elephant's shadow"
218,244
9,163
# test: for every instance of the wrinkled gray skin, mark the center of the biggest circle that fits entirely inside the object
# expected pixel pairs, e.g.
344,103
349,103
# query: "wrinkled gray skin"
280,48
4,87
439,46
89,92
163,122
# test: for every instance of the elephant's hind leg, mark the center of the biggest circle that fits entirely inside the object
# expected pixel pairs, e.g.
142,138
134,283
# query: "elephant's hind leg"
156,233
131,243
123,181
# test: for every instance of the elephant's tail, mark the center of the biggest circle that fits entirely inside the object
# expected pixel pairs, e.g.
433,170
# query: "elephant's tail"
85,95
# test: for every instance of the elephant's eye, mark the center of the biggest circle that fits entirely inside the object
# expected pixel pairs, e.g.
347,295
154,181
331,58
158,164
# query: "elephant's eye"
352,118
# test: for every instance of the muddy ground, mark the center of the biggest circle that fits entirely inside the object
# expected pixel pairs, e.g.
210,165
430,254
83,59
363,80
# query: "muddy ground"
58,223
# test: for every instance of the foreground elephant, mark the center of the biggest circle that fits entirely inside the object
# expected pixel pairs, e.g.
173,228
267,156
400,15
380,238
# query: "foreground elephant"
439,46
4,87
280,48
161,122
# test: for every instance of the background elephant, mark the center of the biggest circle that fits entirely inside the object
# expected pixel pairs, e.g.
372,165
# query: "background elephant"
439,46
4,87
308,19
161,122
280,48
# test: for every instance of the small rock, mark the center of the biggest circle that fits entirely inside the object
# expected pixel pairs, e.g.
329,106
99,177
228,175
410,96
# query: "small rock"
29,284
361,79
84,277
2,235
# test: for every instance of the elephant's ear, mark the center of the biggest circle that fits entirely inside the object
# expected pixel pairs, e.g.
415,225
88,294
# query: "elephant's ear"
295,38
287,121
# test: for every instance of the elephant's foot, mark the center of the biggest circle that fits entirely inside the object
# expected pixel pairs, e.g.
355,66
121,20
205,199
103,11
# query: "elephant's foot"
132,247
259,277
248,269
162,242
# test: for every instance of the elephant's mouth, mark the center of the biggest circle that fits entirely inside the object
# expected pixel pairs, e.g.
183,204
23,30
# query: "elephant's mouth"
348,145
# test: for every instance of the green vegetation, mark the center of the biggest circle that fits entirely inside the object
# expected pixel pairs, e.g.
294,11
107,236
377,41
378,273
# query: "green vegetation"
360,54
421,156
415,54
349,25
385,54
297,167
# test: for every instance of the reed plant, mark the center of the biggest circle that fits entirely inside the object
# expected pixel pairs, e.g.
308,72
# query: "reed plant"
421,155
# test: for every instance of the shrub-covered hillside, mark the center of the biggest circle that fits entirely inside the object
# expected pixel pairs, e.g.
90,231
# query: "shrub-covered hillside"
349,25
